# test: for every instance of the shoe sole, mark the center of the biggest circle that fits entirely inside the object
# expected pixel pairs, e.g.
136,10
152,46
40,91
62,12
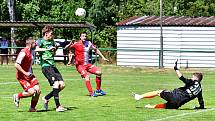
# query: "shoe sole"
14,101
45,105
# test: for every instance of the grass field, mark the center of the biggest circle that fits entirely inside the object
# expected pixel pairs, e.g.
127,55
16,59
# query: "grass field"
117,105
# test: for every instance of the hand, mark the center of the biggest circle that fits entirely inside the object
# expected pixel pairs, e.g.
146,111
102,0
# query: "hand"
28,74
52,48
176,63
105,59
57,45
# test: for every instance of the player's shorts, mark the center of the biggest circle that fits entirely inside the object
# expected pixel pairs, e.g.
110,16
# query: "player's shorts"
171,99
28,83
52,74
84,69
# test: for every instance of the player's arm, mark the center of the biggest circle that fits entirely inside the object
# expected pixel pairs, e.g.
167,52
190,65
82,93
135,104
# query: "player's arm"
38,49
69,45
180,75
18,66
55,47
201,101
100,54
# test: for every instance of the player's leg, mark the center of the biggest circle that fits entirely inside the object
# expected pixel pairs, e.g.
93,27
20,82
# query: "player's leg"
27,93
61,85
147,95
88,85
57,87
161,106
24,94
56,91
69,58
59,77
35,98
94,70
85,75
48,73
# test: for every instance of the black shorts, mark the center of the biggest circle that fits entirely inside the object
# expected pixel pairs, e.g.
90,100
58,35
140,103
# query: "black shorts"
52,74
171,99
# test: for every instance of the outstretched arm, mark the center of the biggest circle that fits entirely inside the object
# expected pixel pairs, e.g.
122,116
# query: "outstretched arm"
38,49
179,74
100,54
201,101
67,46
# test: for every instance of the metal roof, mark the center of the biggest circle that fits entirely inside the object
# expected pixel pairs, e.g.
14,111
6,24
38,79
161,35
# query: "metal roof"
62,24
168,21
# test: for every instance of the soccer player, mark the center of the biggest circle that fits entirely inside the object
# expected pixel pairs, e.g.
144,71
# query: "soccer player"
25,76
179,96
47,48
81,53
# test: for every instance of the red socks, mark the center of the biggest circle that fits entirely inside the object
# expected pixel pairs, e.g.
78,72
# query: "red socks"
20,95
89,87
98,82
160,106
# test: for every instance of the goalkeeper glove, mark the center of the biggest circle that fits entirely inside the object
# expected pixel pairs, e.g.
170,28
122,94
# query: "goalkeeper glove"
176,63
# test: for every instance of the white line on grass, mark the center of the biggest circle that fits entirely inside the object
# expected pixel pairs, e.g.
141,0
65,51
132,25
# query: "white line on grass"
5,83
184,114
5,97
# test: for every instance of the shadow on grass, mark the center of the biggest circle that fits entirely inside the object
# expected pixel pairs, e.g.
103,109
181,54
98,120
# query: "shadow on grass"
139,107
69,108
106,106
178,109
193,109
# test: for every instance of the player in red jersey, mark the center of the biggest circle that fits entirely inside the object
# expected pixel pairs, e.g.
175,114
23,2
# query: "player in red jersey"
81,52
25,76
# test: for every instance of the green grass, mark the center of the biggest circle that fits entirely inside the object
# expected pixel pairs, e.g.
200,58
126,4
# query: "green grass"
117,105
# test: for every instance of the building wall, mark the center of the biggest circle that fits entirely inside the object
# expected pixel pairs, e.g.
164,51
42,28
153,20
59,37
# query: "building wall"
139,46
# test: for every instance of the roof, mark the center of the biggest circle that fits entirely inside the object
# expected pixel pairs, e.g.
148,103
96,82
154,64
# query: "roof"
62,24
168,21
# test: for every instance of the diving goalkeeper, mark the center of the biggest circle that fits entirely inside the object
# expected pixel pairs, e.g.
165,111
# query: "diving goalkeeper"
179,96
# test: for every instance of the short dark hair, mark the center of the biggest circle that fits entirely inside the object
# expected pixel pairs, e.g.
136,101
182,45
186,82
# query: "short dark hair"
47,29
29,40
199,76
83,33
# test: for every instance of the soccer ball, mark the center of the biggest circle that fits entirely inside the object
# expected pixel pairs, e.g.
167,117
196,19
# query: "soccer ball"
80,12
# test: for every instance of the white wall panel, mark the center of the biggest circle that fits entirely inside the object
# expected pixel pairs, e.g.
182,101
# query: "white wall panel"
193,46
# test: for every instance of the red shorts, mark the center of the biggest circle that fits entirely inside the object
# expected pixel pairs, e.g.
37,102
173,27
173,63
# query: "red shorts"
84,69
28,83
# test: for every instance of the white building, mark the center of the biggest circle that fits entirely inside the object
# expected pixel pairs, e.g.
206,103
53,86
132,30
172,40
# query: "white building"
191,40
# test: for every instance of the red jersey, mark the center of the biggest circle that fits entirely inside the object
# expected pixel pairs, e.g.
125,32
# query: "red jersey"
81,51
24,58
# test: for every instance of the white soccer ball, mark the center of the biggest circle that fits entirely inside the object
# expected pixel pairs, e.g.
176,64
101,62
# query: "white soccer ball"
80,12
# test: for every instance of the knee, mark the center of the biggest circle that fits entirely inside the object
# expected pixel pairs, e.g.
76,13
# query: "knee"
98,73
159,92
62,86
31,92
56,84
87,78
38,92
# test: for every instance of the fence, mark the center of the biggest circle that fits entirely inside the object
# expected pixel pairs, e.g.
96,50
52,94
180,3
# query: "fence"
149,57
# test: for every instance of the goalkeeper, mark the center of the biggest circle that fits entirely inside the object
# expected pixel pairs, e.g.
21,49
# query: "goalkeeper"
179,96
